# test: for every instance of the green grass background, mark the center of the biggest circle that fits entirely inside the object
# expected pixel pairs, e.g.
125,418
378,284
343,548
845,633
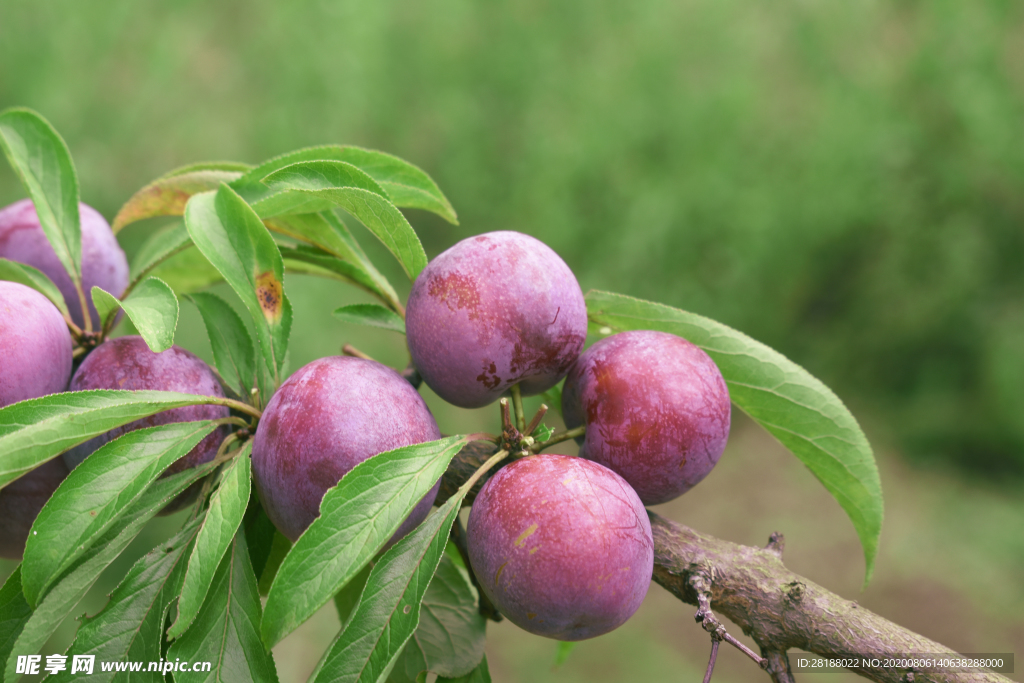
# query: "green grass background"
841,180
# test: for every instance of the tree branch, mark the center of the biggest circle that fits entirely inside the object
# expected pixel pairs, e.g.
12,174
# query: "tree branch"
751,587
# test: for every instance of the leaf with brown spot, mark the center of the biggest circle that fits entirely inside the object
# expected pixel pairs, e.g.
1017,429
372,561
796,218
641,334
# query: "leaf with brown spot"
167,196
233,238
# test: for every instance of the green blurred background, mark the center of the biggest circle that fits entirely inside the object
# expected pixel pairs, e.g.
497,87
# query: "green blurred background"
841,180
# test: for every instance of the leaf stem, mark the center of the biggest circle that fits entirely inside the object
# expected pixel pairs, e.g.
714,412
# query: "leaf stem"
559,438
86,314
481,471
535,422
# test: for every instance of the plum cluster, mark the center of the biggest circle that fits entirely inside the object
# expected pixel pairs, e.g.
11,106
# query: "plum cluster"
560,545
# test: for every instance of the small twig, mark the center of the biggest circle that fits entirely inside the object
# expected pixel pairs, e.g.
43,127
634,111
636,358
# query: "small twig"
517,404
776,544
701,583
559,438
715,641
510,436
535,422
78,352
76,331
350,350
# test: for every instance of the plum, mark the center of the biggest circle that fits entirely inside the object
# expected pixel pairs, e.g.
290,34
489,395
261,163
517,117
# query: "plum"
328,417
127,363
656,410
21,501
495,310
562,546
104,264
35,345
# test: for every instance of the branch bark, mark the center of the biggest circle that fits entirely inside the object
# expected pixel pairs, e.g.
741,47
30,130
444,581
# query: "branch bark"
751,587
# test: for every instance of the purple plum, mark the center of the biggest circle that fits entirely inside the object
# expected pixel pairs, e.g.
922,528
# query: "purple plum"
35,360
21,501
656,410
35,345
325,419
127,363
495,310
103,262
562,546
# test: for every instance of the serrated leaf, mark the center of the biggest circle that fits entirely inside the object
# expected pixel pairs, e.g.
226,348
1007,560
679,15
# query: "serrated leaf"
226,631
73,586
794,406
130,626
223,519
234,166
22,273
407,185
33,431
232,237
271,196
39,156
543,433
302,184
481,674
450,638
168,195
313,261
389,609
95,495
372,315
161,245
152,308
233,351
14,613
357,517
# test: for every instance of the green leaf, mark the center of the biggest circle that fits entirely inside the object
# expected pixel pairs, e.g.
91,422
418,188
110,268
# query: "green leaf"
303,185
223,518
226,631
188,271
12,271
313,261
162,245
152,307
130,626
95,495
41,159
481,674
406,185
33,431
280,546
389,609
273,197
372,315
259,534
14,613
233,351
450,638
73,586
543,433
357,517
347,598
795,407
231,236
168,195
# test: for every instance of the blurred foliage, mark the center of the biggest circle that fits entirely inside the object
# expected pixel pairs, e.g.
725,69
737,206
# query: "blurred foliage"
844,181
